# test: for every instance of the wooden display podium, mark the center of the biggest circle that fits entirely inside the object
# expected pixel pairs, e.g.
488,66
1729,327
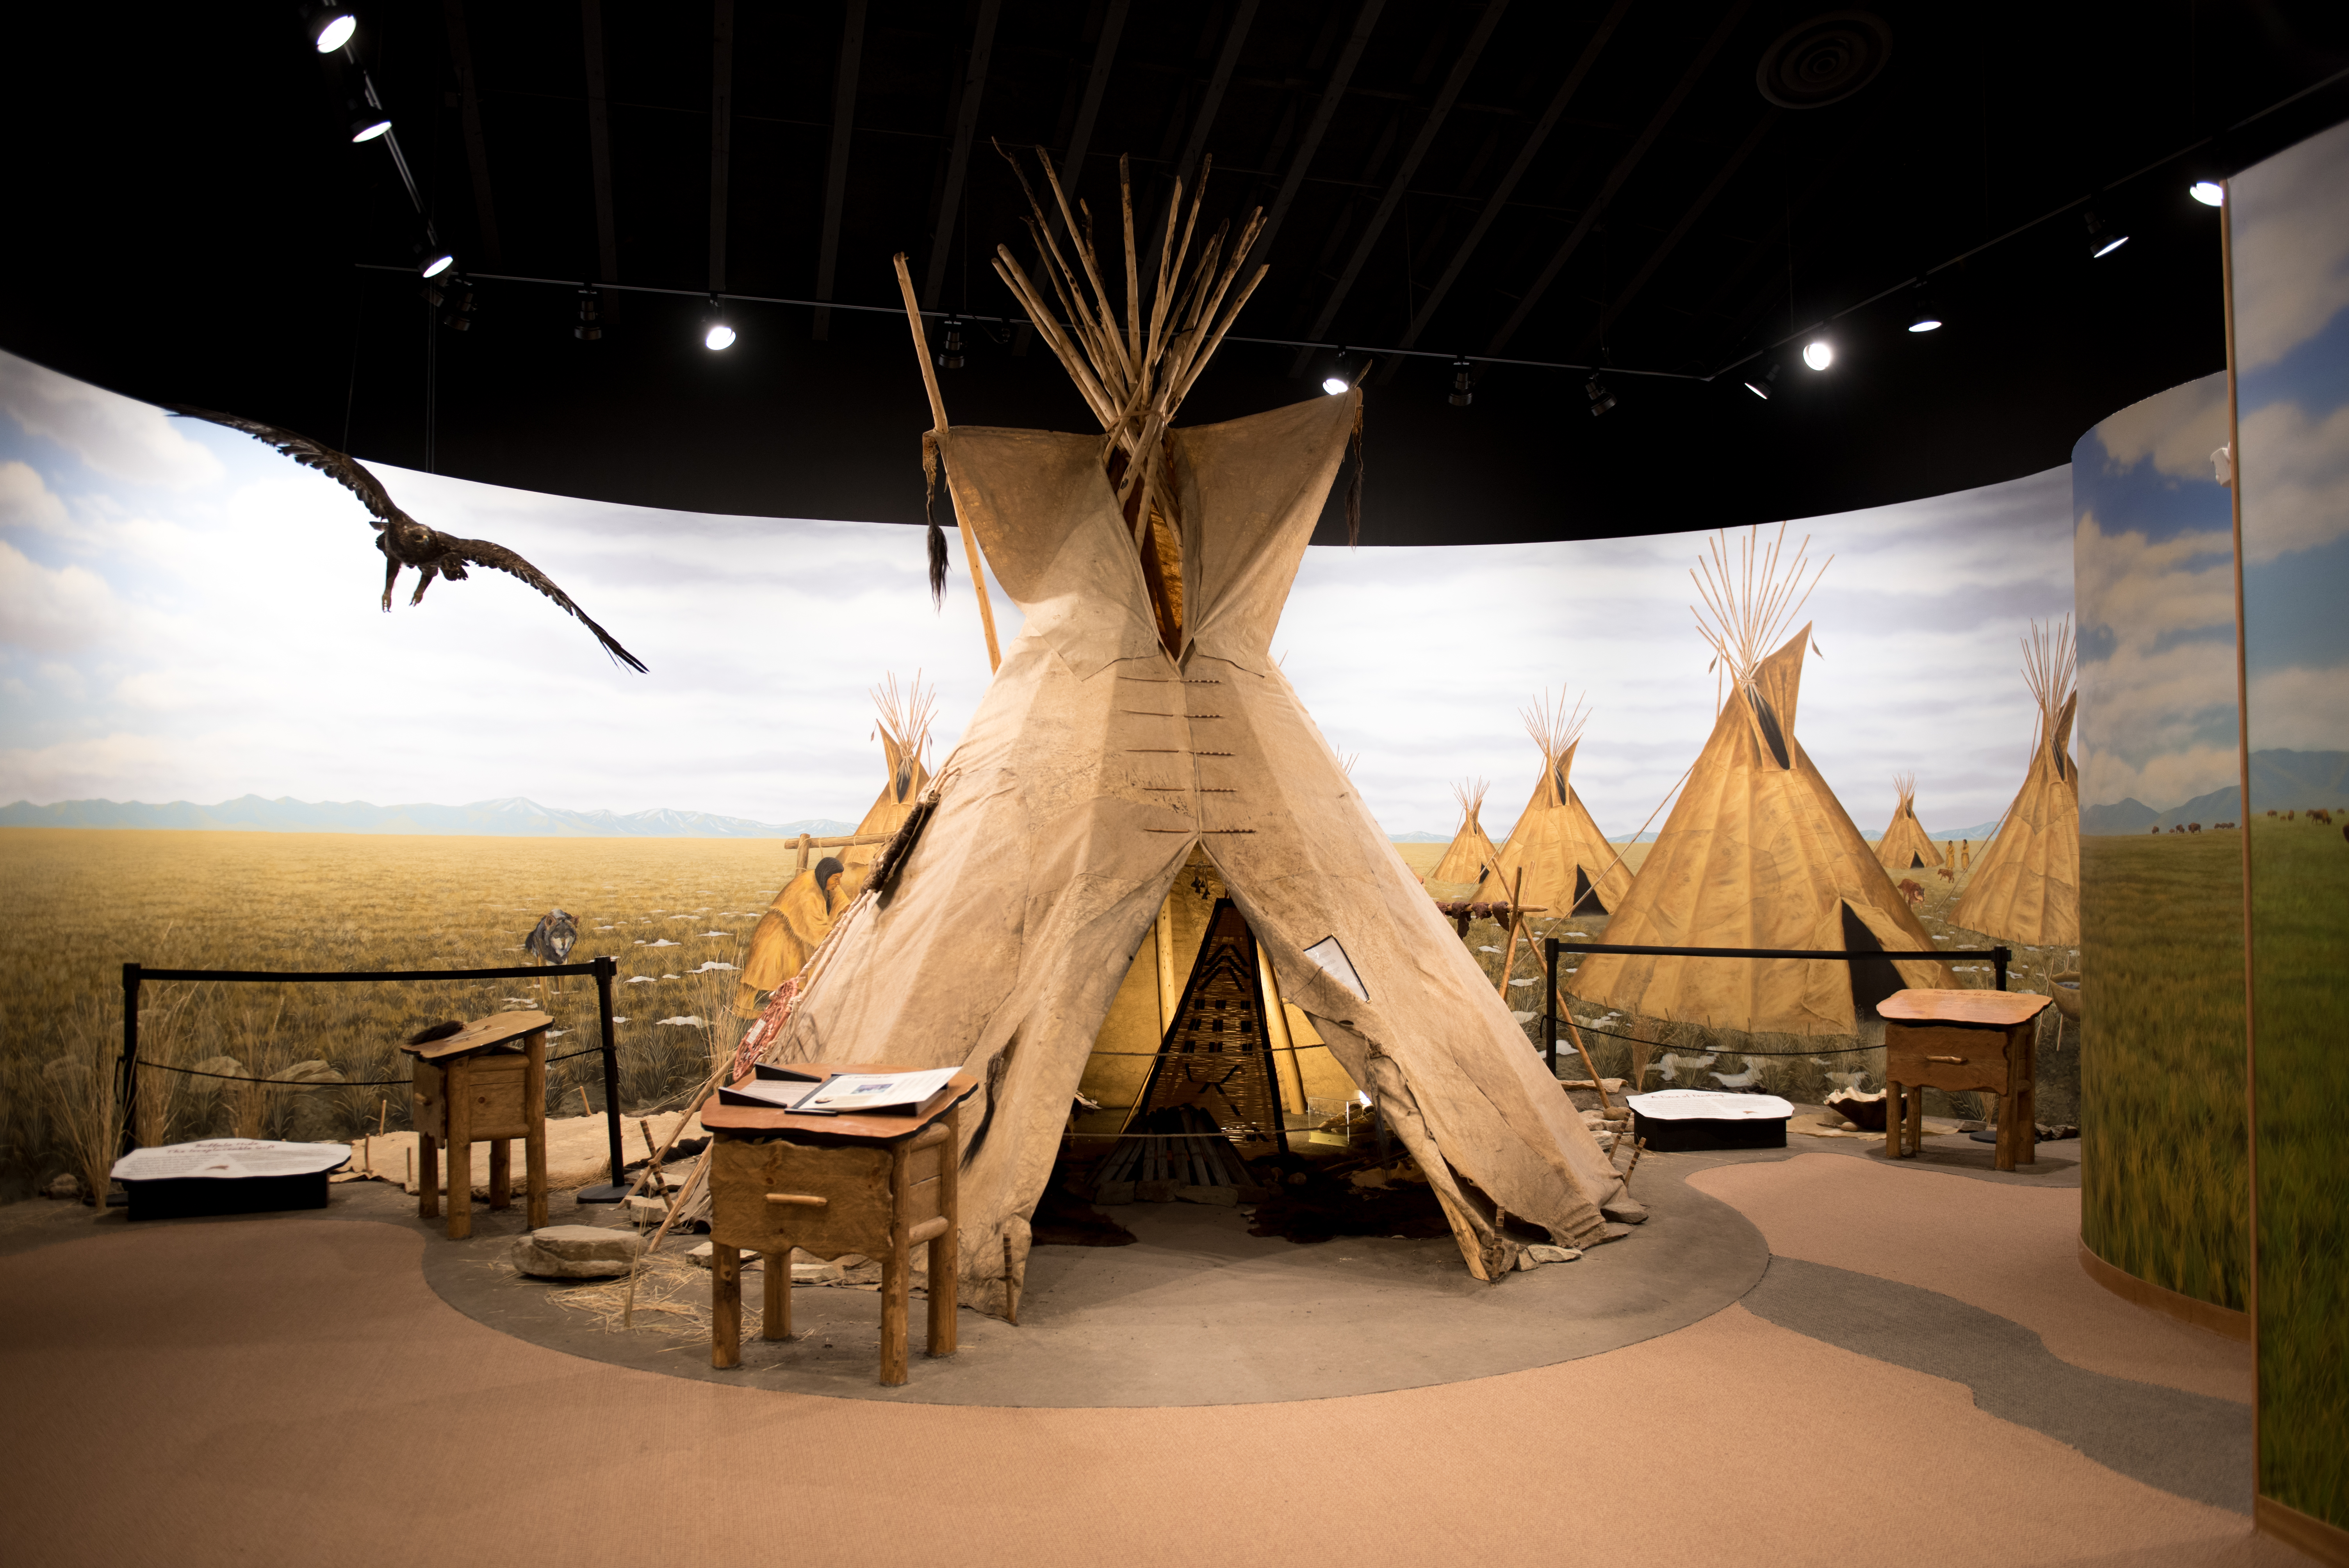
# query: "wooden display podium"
873,1183
480,1084
1958,1040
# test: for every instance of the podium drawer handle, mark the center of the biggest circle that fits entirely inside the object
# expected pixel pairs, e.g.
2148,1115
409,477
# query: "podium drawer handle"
798,1200
1960,1060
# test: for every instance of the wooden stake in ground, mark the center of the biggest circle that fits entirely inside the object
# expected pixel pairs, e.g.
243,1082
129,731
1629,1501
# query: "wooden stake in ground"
1517,920
939,423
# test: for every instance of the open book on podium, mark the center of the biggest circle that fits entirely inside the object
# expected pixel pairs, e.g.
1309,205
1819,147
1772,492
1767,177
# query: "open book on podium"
836,1094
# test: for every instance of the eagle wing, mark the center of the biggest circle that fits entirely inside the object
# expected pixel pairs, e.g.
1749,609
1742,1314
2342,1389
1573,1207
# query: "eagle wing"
340,466
498,558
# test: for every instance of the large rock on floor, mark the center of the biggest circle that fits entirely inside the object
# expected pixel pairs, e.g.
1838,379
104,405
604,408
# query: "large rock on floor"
576,1251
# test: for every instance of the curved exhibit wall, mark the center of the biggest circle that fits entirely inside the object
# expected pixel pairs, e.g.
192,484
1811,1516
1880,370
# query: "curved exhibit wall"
2290,233
2163,1172
192,618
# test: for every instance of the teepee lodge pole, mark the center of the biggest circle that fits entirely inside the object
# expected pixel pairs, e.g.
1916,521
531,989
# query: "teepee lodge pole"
939,423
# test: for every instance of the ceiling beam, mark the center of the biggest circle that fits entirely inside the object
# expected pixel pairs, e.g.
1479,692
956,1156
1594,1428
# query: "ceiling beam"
599,152
1332,91
1081,136
1696,209
469,110
1436,114
1616,177
1499,199
974,83
844,77
722,133
1220,80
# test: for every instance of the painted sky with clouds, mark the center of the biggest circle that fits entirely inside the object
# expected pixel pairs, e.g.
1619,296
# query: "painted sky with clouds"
2291,305
186,615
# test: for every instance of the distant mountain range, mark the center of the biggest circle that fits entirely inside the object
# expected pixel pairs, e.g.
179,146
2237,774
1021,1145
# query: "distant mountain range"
1421,838
514,817
2280,781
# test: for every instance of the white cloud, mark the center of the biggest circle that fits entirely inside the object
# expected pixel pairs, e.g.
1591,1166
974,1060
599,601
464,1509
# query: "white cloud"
53,611
26,501
2291,247
113,434
120,767
2295,480
2178,429
2299,709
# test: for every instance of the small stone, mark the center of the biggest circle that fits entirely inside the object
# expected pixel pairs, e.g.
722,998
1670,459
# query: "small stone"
1155,1192
699,1257
1526,1263
64,1184
1625,1211
1221,1197
1113,1193
1594,1118
1372,1178
815,1271
644,1211
575,1252
1542,1253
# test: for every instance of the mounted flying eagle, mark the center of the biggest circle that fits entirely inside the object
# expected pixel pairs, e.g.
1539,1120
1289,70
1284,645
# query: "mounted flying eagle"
404,541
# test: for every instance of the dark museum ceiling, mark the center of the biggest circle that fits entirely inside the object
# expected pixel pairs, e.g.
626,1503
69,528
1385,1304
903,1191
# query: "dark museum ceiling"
1601,181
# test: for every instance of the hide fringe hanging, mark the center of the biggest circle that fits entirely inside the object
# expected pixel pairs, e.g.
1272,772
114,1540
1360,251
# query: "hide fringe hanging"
930,513
1355,486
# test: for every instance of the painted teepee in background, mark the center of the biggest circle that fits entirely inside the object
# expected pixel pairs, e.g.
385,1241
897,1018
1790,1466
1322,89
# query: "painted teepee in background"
1470,854
802,914
1757,852
1570,867
1905,847
2026,885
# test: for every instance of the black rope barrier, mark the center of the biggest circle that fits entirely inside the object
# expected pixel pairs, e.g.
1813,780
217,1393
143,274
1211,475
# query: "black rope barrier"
2000,957
604,969
319,1083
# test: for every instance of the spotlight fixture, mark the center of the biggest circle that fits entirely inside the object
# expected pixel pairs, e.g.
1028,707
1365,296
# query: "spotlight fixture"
2209,192
1761,377
1601,399
1340,376
330,28
437,259
1463,390
367,121
590,327
2103,240
1818,354
1926,318
459,317
949,354
715,334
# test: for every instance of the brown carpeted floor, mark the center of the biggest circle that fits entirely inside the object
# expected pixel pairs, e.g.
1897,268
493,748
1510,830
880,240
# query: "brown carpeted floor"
291,1391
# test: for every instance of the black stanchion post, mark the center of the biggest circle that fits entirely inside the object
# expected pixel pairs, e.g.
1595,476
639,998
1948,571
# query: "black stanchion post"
129,1089
2000,957
616,1189
1549,1002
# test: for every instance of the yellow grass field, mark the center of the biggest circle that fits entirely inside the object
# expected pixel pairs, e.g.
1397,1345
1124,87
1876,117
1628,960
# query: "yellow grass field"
83,902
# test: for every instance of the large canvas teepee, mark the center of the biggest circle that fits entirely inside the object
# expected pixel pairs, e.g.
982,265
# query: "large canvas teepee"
1570,867
1470,854
801,916
1757,852
1905,847
2026,885
1138,715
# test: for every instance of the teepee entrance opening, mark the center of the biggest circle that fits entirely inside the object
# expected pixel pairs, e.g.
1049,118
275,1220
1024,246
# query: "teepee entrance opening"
1586,897
1872,979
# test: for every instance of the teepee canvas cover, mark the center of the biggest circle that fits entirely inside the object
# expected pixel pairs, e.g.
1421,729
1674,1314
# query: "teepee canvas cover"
1569,866
1095,763
1470,854
1905,847
2026,888
1758,853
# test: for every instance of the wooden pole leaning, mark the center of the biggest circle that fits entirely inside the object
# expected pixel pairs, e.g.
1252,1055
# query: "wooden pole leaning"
939,423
